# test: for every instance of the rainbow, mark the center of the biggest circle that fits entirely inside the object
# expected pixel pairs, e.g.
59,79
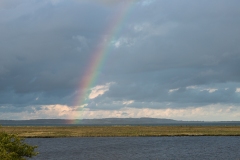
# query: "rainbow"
99,55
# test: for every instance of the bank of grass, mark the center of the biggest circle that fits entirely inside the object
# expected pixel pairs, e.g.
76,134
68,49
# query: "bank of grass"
121,131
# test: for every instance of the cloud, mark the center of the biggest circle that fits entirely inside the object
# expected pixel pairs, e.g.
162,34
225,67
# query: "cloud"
173,90
210,90
146,2
128,102
208,113
237,90
159,54
123,41
99,90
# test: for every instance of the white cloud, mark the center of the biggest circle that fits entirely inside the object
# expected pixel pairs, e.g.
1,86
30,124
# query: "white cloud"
210,90
191,87
149,30
141,27
117,44
237,90
128,102
205,113
173,90
202,88
40,112
122,41
99,90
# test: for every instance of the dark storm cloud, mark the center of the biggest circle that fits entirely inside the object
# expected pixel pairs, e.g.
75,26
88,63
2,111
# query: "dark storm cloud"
45,47
200,49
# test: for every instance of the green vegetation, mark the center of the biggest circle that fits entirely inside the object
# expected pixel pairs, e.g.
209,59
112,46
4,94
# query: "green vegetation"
13,147
122,131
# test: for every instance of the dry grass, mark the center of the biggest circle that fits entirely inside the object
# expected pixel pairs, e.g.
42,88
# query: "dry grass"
122,131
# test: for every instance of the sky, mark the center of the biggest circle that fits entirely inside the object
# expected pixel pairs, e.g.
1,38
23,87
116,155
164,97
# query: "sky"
85,59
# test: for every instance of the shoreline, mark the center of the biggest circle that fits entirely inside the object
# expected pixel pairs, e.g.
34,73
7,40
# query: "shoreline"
119,131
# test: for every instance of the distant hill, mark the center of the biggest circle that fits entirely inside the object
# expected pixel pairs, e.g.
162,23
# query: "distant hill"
104,121
127,121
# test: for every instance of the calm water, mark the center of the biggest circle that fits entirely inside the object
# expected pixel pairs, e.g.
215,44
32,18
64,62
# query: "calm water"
139,148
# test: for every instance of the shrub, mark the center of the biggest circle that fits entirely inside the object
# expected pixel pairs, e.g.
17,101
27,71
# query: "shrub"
13,147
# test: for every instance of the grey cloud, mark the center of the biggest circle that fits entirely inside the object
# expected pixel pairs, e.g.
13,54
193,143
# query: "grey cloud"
45,48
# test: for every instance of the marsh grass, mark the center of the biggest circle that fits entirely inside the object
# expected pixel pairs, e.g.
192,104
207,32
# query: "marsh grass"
121,131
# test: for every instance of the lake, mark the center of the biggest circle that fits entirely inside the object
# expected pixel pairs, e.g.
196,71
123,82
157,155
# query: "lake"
139,148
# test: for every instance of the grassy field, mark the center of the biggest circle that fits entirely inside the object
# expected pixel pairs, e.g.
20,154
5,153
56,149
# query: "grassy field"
121,131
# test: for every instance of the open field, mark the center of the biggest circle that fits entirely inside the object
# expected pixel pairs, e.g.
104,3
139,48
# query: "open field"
121,131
